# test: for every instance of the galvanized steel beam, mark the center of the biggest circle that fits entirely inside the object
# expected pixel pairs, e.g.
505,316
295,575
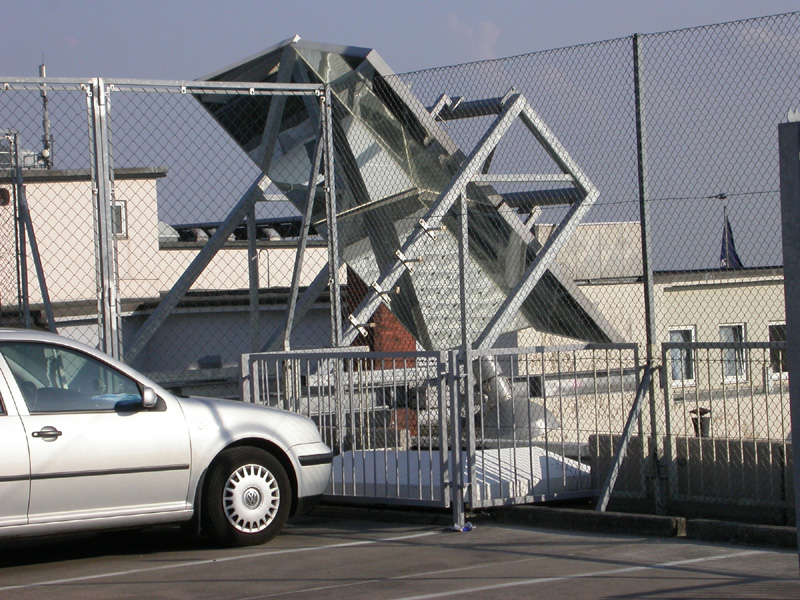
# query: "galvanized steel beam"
547,255
303,305
627,433
105,241
301,246
192,272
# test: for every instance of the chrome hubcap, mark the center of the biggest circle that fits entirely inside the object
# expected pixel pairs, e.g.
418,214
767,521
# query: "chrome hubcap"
251,498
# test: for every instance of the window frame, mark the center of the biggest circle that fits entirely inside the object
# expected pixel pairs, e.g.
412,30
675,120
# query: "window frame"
120,223
106,371
783,373
688,360
740,355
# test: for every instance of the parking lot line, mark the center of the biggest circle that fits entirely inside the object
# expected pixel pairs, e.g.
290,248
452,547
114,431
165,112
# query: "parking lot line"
604,573
195,563
325,588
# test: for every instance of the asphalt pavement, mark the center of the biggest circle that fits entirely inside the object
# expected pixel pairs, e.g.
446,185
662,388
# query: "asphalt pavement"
328,555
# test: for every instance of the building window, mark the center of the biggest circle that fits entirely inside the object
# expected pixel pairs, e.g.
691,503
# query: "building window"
734,360
682,361
777,358
119,218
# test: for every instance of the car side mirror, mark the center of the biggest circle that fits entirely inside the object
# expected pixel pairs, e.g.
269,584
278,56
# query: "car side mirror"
149,398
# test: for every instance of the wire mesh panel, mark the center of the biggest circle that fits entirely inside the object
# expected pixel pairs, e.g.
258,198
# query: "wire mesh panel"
193,177
583,95
544,423
54,172
384,415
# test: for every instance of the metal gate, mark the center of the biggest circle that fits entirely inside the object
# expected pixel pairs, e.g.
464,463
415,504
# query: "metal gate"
383,414
417,428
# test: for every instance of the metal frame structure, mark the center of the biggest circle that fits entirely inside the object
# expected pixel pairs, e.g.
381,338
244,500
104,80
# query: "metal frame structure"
472,170
281,64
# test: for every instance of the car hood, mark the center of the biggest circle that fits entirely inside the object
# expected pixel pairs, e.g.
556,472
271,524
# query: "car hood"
233,419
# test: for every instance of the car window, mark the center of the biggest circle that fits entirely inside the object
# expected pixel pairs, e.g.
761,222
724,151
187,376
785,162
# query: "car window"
57,379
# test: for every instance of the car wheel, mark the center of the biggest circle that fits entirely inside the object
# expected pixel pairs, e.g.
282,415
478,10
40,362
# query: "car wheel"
247,497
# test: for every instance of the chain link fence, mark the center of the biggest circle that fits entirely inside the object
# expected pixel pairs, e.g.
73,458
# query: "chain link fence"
623,192
678,132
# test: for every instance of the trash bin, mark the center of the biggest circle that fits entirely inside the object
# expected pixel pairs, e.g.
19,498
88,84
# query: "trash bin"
701,420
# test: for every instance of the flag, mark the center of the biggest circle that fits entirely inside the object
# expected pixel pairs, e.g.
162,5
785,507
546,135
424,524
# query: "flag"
728,259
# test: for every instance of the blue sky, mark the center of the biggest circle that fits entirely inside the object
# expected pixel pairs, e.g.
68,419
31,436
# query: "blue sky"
181,39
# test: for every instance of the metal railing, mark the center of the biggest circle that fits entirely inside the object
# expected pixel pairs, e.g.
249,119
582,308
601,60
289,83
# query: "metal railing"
385,415
522,425
728,428
537,418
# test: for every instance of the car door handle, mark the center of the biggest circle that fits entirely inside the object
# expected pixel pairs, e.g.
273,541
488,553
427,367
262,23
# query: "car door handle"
47,433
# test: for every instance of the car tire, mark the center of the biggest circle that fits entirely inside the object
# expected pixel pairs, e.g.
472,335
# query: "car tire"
247,497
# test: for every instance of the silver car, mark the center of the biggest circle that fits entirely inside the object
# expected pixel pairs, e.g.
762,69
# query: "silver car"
88,443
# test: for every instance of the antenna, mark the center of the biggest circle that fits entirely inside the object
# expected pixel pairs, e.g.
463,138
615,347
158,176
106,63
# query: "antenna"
47,140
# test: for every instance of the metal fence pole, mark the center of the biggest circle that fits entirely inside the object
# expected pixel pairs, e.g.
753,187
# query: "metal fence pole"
789,151
647,270
105,243
333,232
457,397
22,255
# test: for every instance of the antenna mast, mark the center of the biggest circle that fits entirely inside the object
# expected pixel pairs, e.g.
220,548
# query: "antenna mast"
47,140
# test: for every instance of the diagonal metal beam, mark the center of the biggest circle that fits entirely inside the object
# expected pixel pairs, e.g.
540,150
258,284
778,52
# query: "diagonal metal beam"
304,304
627,434
535,272
263,156
254,193
557,152
25,215
466,172
301,246
547,255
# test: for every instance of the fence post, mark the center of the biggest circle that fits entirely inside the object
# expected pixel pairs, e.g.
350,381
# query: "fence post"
456,360
103,197
333,231
18,189
789,152
655,447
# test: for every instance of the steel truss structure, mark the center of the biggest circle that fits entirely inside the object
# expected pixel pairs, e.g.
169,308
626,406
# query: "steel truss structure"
394,226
